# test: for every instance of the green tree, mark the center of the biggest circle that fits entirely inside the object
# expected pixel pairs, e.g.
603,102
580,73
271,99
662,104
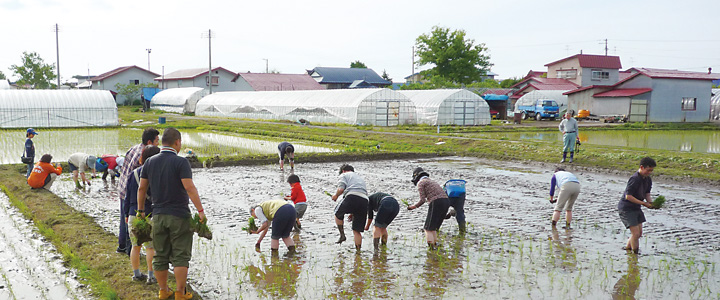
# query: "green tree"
358,64
34,72
453,56
131,91
509,82
386,76
2,76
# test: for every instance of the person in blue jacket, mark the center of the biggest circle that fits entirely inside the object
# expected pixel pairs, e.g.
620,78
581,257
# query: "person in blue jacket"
30,150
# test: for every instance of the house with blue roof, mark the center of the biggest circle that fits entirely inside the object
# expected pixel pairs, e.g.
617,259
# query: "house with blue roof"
347,78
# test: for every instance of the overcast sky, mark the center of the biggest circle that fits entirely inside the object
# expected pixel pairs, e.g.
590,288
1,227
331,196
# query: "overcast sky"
97,36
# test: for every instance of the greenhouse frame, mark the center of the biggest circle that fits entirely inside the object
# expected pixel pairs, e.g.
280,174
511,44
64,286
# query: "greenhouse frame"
57,108
715,105
178,100
449,107
379,107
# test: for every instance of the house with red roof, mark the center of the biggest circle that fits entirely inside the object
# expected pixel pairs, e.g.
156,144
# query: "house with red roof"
123,75
276,82
649,95
586,69
221,80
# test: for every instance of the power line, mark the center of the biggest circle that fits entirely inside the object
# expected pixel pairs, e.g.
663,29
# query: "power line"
539,45
669,41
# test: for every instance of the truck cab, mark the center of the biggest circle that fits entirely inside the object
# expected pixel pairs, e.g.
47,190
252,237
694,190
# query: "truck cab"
542,108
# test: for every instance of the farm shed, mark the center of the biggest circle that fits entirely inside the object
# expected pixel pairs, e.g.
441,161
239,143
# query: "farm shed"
449,107
557,95
380,107
57,108
179,100
715,105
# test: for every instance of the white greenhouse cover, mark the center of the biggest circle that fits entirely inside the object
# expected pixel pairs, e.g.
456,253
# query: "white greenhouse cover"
715,105
57,108
179,100
449,107
4,84
557,95
381,107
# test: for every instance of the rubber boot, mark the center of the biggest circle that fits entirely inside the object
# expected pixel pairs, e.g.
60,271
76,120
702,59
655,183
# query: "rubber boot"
461,228
358,247
564,156
342,235
554,223
384,240
376,243
291,249
571,156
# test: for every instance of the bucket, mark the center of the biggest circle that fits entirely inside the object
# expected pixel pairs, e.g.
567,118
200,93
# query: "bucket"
455,188
161,120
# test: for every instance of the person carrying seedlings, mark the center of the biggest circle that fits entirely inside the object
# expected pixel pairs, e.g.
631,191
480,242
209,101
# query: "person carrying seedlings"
569,128
44,173
569,187
29,154
150,137
131,211
286,149
432,193
637,193
387,209
355,202
79,163
281,215
297,195
170,178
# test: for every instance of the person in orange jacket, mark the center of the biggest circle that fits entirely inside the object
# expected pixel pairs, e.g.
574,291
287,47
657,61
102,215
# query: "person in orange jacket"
44,173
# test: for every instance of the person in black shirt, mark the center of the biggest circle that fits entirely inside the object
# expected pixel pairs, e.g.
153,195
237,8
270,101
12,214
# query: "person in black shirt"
30,150
637,193
286,149
387,209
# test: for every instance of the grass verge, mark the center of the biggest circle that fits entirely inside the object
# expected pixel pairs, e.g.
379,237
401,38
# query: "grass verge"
83,244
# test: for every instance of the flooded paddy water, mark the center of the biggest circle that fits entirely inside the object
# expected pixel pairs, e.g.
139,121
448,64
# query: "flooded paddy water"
510,250
701,141
30,267
61,143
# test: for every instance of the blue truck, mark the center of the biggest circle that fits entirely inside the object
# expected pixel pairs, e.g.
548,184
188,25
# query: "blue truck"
540,109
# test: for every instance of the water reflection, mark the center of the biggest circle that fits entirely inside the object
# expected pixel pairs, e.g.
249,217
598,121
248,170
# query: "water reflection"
277,278
563,253
351,282
383,279
442,266
701,141
628,284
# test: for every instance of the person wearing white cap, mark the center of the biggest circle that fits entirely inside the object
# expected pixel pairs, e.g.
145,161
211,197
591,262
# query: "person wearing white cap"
112,166
79,163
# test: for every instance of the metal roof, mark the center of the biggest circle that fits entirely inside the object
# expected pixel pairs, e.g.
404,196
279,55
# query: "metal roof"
622,93
593,61
676,74
349,75
280,82
189,73
119,70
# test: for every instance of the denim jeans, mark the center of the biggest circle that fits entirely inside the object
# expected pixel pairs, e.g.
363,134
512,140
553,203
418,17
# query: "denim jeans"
458,203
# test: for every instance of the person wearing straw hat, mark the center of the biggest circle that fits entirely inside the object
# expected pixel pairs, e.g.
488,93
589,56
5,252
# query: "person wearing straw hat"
79,163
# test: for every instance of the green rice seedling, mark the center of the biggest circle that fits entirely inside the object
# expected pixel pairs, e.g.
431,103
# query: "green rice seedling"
200,227
251,225
405,201
327,193
142,229
658,202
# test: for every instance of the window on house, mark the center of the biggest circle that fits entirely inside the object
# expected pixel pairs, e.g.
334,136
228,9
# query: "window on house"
134,81
566,74
689,103
215,80
600,75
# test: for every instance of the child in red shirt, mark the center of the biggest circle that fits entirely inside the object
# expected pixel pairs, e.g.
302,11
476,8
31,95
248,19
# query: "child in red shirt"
298,198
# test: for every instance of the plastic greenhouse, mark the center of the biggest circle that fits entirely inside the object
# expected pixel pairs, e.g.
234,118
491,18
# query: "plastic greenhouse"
449,107
715,105
57,108
179,100
380,107
557,95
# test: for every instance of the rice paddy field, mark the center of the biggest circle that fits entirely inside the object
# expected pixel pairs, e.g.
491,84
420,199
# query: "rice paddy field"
510,251
61,143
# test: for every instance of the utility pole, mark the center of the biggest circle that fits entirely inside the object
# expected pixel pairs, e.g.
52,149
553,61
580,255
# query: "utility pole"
209,36
148,50
412,75
57,50
606,48
266,65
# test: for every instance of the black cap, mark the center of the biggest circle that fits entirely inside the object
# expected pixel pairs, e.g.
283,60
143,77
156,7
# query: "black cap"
417,174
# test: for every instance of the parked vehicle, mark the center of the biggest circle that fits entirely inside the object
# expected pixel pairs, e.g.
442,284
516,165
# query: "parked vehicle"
542,108
494,114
